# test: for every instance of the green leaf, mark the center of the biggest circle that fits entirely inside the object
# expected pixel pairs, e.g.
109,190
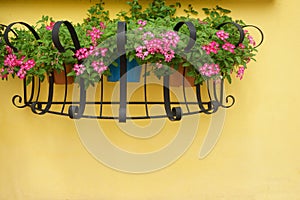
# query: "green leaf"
186,64
228,77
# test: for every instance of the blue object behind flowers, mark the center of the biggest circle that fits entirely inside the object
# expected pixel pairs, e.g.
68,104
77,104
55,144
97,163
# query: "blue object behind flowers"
133,71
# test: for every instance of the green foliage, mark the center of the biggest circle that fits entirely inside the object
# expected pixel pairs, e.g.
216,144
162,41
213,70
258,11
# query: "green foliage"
160,17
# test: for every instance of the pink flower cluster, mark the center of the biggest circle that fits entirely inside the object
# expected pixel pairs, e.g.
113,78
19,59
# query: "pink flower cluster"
84,53
170,38
250,38
228,47
222,35
141,52
240,72
212,47
79,69
12,62
209,69
158,45
25,67
142,24
99,66
94,34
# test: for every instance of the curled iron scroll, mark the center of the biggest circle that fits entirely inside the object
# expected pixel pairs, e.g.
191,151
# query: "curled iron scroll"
193,34
4,26
260,31
8,29
18,98
240,29
175,113
55,36
74,111
36,107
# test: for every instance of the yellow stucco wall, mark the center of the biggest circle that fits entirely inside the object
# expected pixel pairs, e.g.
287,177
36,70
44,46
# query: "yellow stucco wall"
257,156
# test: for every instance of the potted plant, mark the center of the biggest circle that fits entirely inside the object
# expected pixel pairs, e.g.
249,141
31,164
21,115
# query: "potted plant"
31,53
18,56
148,27
49,58
226,48
95,52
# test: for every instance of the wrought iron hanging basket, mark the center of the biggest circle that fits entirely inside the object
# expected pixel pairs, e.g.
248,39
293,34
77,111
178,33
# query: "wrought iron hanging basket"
173,110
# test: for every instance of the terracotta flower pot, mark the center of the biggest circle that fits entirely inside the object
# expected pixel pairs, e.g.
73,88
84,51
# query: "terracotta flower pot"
60,77
176,78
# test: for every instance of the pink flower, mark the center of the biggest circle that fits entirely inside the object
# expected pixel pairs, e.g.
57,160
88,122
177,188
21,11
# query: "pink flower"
79,69
169,55
158,45
102,26
228,47
94,34
103,51
8,49
140,53
242,46
82,53
99,67
209,69
212,47
21,73
148,35
2,75
142,23
50,27
159,65
28,64
222,35
170,38
251,40
11,60
240,72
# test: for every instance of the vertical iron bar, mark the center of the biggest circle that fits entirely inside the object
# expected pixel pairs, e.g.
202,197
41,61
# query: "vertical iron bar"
145,91
215,91
39,90
101,98
121,41
66,88
183,90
